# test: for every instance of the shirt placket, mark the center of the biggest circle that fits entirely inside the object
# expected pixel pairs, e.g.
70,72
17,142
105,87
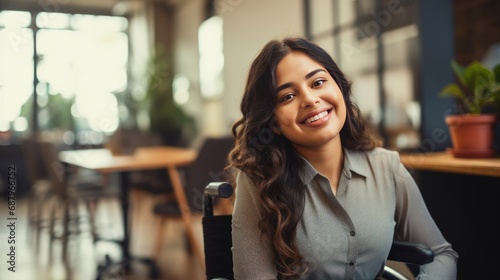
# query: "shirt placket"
349,229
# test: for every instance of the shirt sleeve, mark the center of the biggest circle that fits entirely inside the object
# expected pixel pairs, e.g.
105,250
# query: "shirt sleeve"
415,224
252,252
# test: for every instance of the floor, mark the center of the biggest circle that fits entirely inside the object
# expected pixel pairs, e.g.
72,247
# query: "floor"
174,261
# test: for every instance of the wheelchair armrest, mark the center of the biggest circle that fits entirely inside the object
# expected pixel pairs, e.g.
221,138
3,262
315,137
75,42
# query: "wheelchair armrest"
215,189
409,252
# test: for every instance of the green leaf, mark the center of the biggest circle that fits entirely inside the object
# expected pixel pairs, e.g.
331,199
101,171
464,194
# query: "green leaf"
496,73
476,75
479,86
495,91
473,107
452,90
458,70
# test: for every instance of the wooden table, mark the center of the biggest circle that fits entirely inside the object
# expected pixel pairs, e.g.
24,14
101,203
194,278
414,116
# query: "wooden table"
445,162
145,158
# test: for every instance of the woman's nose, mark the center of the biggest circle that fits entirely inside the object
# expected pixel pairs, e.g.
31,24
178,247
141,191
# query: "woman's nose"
308,98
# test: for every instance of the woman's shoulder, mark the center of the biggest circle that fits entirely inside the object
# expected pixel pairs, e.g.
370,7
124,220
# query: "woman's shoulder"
243,180
378,162
376,153
376,157
242,176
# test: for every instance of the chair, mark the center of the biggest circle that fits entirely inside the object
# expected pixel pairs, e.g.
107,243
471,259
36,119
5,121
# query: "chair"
40,191
208,166
143,183
218,242
69,192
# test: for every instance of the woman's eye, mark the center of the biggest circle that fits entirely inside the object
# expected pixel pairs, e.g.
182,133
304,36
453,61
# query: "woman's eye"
318,83
286,97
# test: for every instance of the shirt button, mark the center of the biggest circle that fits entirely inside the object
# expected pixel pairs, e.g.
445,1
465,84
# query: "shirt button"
352,233
351,263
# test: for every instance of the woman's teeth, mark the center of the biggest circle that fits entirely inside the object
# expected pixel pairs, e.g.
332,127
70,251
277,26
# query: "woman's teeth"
317,117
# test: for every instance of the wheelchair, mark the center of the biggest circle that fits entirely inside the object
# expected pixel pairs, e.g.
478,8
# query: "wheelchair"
218,242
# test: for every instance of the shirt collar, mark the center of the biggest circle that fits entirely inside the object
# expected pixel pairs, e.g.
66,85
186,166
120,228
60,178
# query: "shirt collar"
354,161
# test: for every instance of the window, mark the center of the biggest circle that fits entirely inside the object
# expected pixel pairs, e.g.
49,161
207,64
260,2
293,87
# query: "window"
81,63
16,69
376,44
211,57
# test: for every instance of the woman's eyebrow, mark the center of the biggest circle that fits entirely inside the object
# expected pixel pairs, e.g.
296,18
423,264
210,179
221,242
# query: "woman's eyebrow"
312,73
309,75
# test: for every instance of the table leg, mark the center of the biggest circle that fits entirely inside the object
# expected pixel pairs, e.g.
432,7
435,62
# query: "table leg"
125,243
125,215
180,195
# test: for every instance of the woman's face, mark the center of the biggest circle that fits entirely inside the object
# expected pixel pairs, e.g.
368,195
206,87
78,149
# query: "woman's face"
310,109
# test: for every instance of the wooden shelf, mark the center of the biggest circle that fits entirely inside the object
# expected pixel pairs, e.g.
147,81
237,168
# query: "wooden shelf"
445,162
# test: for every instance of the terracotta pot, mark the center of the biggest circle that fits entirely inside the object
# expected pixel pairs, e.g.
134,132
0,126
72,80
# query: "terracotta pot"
472,133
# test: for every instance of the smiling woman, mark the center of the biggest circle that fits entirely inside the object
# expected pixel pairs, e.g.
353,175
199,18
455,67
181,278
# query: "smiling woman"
318,199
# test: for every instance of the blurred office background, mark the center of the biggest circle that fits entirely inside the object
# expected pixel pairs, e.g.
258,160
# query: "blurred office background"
82,72
125,73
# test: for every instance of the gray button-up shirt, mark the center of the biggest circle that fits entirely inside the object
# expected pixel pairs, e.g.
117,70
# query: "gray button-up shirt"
347,235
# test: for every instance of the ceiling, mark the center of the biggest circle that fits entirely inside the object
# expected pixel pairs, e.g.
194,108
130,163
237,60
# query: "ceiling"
72,5
57,5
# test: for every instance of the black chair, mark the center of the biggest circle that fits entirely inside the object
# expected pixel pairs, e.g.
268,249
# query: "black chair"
40,192
69,191
208,166
218,242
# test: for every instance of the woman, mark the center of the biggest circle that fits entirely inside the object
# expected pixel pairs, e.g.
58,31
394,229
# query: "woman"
315,197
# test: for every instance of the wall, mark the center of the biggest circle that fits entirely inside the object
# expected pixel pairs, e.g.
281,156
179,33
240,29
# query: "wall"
477,25
187,19
436,33
248,25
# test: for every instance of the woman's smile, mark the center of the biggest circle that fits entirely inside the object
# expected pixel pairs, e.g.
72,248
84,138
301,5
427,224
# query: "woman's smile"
317,119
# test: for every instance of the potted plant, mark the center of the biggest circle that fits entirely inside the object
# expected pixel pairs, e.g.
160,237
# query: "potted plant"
478,93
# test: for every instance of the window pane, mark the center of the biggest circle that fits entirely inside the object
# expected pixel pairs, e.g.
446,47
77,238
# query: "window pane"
55,67
84,67
98,23
211,57
52,20
79,71
16,75
376,67
14,19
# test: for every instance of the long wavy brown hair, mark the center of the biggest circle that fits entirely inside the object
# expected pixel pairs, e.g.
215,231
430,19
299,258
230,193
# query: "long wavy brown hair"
270,160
